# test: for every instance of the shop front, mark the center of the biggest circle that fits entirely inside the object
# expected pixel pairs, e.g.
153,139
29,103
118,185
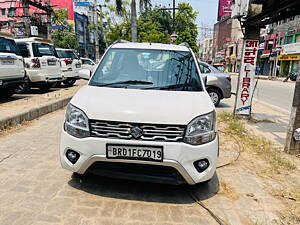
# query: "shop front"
290,59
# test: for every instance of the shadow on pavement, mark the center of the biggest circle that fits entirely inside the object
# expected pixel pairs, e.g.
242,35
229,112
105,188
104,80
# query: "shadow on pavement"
143,191
13,98
223,105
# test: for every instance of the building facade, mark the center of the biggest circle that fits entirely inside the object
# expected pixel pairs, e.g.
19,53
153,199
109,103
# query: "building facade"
206,49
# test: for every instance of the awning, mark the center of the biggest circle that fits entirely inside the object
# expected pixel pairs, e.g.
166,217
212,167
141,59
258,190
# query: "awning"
263,56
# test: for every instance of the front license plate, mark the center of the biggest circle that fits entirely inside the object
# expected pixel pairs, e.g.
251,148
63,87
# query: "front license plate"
78,65
7,62
147,153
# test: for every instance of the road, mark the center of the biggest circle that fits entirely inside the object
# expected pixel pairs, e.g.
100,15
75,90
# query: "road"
274,93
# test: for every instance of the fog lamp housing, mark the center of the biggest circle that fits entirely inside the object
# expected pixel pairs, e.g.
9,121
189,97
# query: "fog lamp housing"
72,156
201,165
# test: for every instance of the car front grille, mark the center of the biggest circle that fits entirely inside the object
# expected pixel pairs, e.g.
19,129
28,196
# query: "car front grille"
139,172
147,132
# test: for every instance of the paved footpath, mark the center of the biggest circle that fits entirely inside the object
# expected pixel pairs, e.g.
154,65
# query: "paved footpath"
34,190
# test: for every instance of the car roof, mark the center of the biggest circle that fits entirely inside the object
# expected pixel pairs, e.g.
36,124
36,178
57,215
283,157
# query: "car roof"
34,39
65,49
154,46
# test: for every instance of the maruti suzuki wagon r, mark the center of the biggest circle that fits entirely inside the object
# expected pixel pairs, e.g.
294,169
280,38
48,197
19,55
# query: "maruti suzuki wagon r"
144,115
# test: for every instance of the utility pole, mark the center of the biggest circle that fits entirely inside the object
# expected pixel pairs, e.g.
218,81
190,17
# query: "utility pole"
96,29
26,18
292,144
174,8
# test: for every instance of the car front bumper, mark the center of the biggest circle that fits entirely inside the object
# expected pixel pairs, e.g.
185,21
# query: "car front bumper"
177,155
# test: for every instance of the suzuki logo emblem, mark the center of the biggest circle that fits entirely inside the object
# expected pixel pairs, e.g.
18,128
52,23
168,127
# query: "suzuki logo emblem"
136,132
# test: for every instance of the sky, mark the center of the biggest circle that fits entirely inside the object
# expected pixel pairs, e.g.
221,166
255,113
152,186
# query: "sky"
207,9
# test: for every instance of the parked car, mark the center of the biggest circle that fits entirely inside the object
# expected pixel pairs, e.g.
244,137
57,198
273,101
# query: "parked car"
70,64
41,63
222,88
12,70
143,120
87,64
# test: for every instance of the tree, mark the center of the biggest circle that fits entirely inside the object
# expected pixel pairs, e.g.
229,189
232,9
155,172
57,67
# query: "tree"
133,17
65,39
185,25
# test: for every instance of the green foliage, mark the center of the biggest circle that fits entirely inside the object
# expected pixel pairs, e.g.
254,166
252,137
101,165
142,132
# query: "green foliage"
162,17
154,26
185,25
65,39
60,16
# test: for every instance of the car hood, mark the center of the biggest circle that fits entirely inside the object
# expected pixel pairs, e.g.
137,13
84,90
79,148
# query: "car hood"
142,106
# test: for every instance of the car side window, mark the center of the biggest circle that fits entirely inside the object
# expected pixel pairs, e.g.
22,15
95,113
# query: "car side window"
87,62
23,47
204,69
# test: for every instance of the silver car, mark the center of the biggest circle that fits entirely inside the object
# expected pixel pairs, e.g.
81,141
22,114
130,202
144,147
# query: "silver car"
222,88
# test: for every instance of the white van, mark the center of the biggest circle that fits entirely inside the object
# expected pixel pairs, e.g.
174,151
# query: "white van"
41,63
70,65
144,115
11,66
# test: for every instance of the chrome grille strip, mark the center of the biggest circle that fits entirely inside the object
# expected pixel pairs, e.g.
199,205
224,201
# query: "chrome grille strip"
150,132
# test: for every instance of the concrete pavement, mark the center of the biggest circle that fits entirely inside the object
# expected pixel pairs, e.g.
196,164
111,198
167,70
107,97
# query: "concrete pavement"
34,190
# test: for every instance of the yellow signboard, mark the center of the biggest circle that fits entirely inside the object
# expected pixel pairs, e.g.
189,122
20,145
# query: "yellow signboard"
289,57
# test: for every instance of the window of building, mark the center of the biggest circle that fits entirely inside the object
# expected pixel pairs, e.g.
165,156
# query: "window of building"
12,12
289,39
3,12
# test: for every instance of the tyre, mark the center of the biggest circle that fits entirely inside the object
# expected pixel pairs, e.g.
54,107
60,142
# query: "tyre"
6,93
25,87
56,84
215,95
69,82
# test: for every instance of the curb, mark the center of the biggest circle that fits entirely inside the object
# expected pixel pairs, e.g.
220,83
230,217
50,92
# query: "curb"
34,113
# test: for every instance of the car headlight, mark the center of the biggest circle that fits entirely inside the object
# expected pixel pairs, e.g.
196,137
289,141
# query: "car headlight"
76,123
201,130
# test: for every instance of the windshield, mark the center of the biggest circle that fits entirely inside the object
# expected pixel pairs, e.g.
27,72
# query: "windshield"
41,49
66,54
148,69
7,45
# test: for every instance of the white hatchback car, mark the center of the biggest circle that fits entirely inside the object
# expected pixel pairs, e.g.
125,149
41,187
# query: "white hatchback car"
41,63
145,115
70,65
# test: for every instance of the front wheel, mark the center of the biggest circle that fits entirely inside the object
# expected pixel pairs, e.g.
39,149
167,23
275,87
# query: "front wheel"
215,95
24,87
69,82
6,93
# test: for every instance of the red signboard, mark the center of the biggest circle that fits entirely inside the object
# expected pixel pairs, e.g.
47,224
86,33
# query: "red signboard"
225,8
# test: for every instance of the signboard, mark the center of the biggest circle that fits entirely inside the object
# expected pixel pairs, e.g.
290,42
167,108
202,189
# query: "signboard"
289,57
245,91
34,30
224,8
83,3
240,8
293,48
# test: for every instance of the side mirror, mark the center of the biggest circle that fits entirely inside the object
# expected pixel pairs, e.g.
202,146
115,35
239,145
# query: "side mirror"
85,74
211,80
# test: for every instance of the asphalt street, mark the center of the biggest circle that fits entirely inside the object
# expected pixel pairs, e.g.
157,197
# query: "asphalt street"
272,93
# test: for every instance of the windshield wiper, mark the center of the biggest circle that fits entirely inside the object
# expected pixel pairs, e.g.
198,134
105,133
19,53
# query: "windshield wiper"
170,87
126,82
